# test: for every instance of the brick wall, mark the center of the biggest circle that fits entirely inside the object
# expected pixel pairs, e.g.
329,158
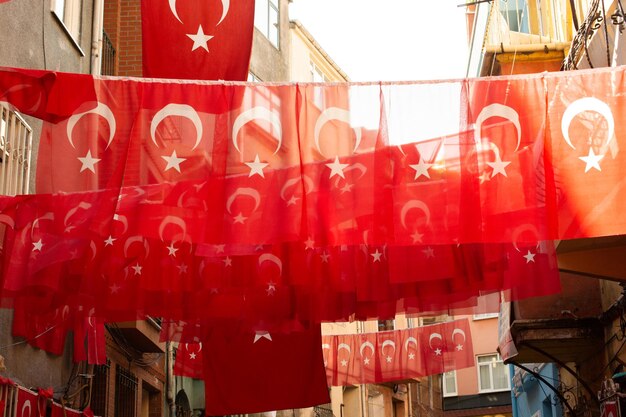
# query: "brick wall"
151,378
122,22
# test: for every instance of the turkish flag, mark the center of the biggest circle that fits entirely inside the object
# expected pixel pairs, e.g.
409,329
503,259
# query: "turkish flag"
28,404
189,360
207,39
271,371
447,346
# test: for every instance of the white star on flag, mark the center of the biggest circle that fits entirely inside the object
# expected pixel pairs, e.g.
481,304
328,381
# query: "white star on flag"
37,245
199,39
325,257
337,168
388,358
271,288
114,288
182,268
347,188
308,244
88,162
366,361
137,269
411,355
192,355
292,201
438,352
429,252
459,347
421,168
240,218
498,166
417,237
592,160
219,248
262,335
173,161
376,255
172,250
530,257
344,363
109,241
228,261
256,167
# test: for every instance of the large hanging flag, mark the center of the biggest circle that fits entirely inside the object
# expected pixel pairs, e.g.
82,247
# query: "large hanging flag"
272,371
188,360
203,40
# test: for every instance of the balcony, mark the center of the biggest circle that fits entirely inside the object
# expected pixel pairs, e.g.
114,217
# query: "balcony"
143,335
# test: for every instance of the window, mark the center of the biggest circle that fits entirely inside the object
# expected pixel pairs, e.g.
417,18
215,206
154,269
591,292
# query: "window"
266,19
386,325
515,14
69,13
125,393
317,76
484,316
493,374
252,78
449,384
16,138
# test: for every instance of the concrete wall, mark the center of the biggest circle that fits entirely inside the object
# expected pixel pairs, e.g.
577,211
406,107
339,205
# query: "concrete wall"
31,36
269,63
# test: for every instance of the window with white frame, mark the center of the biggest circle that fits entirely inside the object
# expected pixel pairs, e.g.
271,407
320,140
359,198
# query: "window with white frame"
448,381
484,316
493,374
69,13
266,19
16,138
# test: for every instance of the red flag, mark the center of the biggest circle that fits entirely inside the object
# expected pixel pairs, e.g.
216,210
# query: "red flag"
27,404
189,360
197,39
272,371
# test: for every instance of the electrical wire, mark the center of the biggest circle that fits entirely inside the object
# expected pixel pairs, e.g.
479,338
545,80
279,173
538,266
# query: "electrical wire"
28,340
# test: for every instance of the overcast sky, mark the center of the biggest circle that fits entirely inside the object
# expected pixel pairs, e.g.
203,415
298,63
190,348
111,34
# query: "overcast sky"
391,40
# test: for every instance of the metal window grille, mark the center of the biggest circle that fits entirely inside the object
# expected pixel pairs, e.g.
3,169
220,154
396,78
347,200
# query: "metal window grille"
100,389
16,138
108,56
125,393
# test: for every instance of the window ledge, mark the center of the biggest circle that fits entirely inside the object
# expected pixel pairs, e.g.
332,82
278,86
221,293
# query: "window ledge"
69,34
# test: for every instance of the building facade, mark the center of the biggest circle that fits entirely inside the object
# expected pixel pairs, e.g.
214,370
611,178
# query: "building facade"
580,331
55,35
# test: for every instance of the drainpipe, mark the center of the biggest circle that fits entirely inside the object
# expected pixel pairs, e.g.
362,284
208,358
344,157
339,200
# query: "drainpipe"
513,396
169,378
96,36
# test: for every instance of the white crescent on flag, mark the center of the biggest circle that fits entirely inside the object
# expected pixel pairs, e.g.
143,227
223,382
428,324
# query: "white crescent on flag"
182,110
334,113
499,110
344,346
101,110
434,336
260,113
414,204
268,257
248,192
587,104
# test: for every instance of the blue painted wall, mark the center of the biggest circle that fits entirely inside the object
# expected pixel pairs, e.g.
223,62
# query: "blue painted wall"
531,397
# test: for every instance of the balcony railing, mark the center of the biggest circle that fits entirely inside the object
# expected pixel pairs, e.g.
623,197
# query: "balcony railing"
108,56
